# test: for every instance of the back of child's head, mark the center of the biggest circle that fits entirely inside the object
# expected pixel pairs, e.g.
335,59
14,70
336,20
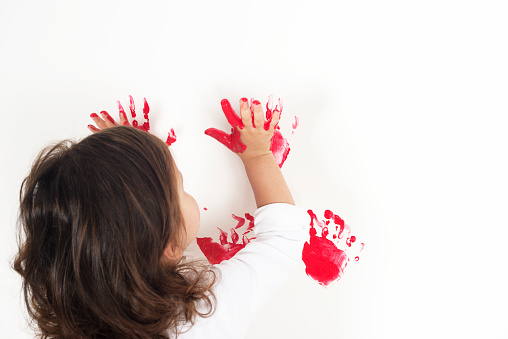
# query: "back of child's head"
97,216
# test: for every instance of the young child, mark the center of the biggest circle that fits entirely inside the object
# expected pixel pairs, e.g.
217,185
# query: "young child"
106,221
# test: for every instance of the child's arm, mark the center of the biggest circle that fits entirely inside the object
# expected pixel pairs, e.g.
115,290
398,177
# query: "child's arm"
264,174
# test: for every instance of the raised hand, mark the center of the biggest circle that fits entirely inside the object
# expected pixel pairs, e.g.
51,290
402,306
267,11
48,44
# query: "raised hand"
251,135
107,121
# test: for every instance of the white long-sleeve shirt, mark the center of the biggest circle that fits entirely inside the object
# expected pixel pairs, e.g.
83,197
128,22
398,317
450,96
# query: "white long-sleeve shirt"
248,279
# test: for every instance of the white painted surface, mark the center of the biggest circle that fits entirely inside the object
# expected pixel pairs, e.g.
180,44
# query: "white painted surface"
410,97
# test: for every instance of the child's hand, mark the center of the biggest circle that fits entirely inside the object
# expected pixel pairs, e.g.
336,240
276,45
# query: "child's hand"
107,121
250,135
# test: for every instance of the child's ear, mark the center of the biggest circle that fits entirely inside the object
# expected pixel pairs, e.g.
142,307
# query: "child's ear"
172,252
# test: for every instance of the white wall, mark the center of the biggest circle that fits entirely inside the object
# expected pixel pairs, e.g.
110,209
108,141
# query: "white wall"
410,97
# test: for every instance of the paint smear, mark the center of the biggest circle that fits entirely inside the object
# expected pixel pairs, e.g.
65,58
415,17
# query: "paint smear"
279,145
225,249
326,259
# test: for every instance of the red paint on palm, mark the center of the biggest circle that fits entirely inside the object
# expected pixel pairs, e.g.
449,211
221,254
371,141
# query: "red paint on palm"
326,259
231,141
279,145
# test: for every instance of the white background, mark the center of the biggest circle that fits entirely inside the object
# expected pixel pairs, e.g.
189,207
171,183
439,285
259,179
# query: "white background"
402,108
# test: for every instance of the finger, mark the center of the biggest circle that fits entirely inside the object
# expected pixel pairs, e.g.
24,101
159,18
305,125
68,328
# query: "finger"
233,118
132,107
98,121
146,111
221,136
275,120
93,128
110,122
123,116
245,112
258,114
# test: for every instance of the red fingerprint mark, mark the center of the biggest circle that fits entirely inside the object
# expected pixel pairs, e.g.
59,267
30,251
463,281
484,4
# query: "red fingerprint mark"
171,137
215,252
325,260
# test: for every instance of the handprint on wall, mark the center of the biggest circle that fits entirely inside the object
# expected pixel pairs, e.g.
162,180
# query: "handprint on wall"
215,252
108,121
325,259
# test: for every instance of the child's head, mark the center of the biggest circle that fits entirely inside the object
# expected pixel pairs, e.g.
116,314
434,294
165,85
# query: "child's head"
106,221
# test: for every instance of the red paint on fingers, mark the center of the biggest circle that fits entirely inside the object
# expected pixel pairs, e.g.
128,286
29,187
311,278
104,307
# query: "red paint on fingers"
233,118
132,106
146,111
110,119
122,111
92,127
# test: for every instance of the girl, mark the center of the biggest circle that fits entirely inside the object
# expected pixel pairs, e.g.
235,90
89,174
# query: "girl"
106,221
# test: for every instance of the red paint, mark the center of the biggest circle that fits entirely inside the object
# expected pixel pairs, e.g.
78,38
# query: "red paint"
206,209
279,147
241,221
146,111
251,222
326,259
215,252
122,111
171,137
132,107
295,124
231,141
106,114
95,129
233,118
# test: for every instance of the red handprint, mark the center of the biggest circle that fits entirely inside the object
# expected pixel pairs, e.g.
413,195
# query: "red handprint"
325,261
124,120
279,145
215,252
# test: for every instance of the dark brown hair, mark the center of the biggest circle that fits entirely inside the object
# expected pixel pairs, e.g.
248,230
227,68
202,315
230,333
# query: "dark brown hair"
96,217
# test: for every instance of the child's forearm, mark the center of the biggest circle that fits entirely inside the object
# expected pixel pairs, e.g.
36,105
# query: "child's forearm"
267,181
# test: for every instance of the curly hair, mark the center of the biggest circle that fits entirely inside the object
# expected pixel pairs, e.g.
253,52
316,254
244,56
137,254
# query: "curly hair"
95,218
